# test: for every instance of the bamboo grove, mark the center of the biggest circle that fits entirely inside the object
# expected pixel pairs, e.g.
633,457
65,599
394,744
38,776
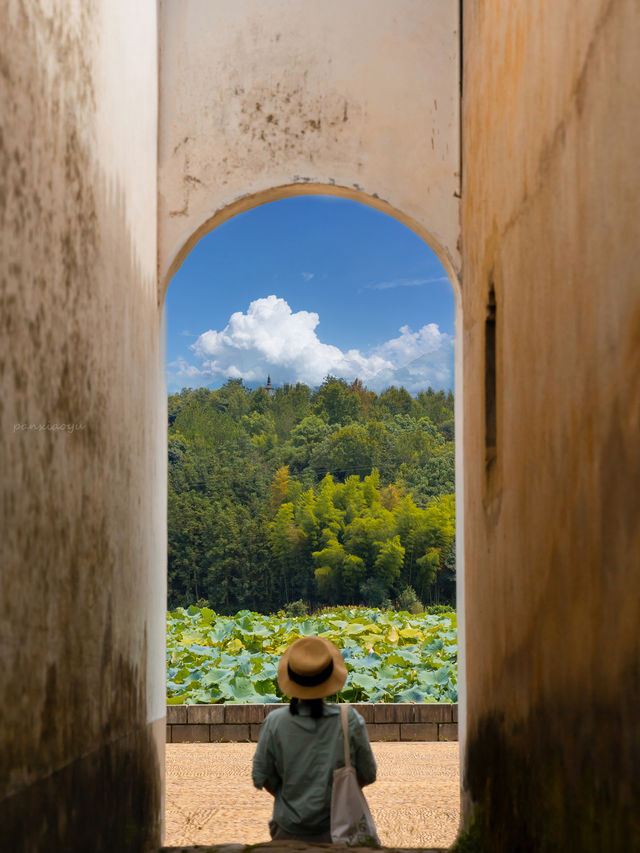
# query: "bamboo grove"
331,496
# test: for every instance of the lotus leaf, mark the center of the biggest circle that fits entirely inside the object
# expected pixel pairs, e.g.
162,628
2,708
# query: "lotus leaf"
390,656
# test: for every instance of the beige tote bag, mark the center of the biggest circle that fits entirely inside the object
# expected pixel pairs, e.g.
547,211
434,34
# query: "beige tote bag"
351,821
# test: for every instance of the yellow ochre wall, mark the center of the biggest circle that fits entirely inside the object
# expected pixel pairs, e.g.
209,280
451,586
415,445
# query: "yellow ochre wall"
551,215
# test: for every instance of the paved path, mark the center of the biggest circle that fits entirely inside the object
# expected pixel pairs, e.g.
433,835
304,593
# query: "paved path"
211,800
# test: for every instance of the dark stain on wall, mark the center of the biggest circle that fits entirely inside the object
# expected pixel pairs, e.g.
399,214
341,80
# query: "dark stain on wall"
285,119
105,802
49,708
563,778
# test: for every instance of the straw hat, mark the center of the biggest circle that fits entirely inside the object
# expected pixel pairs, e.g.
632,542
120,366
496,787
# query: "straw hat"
311,668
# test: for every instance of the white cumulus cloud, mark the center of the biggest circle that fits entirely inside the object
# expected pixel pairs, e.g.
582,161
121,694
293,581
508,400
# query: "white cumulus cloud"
410,345
272,339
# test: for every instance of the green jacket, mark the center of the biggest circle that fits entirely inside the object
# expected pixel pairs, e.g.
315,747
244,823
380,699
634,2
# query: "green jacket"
296,755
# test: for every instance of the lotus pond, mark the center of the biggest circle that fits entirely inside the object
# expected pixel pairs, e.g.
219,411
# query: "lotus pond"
390,656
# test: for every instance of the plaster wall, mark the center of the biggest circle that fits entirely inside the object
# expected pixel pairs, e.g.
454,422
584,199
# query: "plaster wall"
82,507
551,216
263,100
258,101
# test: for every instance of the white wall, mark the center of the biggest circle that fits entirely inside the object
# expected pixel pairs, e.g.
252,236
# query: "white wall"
254,96
83,513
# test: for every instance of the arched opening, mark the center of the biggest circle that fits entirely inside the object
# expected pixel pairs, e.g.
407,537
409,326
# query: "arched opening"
249,201
247,204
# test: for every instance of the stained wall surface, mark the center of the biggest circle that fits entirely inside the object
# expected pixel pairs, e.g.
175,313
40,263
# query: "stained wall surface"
359,99
551,217
259,100
82,504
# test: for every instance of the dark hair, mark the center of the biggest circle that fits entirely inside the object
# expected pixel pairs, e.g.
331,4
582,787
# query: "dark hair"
316,706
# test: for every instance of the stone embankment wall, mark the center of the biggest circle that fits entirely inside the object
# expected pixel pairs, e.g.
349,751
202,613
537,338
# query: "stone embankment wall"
388,722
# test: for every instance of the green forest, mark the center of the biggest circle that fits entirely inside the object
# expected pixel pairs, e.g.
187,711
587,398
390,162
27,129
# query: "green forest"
300,498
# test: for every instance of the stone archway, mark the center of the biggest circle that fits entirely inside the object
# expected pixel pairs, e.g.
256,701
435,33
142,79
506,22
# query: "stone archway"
250,201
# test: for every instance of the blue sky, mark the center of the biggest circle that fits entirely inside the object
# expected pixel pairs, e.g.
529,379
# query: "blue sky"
307,286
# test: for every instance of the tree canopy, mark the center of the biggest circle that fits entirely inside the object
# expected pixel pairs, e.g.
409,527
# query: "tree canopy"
332,496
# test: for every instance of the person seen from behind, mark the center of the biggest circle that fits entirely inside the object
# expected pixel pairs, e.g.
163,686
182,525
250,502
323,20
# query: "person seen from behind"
300,746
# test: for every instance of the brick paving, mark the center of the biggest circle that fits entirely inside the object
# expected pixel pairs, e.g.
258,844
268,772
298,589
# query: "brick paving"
210,798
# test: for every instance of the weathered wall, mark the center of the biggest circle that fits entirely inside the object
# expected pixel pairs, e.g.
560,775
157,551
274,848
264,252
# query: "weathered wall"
261,100
551,214
83,511
357,98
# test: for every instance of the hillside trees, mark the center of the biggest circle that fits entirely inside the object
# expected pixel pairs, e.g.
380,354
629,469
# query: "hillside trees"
338,496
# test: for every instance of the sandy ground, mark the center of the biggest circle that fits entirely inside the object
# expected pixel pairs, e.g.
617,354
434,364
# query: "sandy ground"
210,798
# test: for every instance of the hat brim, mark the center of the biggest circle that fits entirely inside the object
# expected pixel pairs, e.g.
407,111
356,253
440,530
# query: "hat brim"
333,684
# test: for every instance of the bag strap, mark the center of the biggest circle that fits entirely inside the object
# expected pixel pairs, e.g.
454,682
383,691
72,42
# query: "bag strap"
344,717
